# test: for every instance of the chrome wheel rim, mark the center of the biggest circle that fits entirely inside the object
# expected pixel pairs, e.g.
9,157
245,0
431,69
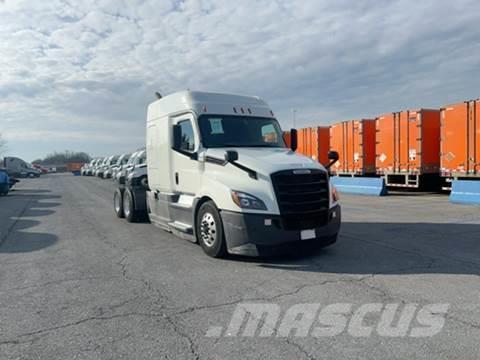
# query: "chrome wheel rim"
208,229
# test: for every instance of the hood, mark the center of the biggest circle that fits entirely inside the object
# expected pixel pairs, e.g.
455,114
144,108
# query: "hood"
268,160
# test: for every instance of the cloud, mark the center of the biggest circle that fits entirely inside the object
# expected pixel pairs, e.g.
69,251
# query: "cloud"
75,70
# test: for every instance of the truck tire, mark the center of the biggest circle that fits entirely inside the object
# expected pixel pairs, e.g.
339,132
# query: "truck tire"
118,203
129,206
209,229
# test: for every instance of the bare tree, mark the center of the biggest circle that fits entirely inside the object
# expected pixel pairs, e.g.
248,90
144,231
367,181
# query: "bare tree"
63,158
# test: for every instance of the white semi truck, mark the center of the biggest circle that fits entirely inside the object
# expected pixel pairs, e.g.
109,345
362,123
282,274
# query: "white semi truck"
220,174
17,167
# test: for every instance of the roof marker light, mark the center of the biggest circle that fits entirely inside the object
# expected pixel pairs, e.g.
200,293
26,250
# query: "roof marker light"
234,110
249,111
271,112
204,108
241,109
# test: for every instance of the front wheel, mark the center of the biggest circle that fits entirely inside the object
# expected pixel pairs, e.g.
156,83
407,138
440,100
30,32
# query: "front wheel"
209,228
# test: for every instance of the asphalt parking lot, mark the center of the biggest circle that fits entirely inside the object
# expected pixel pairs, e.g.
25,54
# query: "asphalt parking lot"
78,283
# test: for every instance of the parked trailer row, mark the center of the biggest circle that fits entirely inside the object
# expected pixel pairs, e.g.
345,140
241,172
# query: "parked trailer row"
408,148
355,143
420,148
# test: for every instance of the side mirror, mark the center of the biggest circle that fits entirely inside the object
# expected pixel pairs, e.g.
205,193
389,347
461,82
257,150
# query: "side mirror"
333,157
293,139
177,137
231,156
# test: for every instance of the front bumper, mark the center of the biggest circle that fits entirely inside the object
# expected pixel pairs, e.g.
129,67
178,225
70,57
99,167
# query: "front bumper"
249,234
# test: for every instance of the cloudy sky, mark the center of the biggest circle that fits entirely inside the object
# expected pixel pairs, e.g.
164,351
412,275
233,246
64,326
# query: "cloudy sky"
78,74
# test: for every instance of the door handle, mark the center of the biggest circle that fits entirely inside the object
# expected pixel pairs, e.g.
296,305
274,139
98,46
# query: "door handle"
176,178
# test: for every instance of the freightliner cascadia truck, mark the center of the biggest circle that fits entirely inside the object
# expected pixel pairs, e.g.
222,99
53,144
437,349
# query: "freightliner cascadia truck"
220,174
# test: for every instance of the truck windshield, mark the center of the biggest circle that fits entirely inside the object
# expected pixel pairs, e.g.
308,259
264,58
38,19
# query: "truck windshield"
239,131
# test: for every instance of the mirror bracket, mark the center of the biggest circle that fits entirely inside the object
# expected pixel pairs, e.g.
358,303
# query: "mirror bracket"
293,139
333,157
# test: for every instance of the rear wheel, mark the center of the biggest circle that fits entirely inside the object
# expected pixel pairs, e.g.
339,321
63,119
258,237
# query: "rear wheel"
129,206
118,203
210,230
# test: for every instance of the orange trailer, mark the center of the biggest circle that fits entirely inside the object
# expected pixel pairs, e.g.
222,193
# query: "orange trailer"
460,140
315,143
355,143
408,148
74,167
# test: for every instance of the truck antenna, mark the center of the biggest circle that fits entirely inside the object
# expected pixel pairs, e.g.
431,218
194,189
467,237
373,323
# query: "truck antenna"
158,95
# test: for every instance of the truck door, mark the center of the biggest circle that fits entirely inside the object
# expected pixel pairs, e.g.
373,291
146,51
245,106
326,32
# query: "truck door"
187,170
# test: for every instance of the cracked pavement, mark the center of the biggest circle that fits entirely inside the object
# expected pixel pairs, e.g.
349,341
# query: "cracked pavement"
78,283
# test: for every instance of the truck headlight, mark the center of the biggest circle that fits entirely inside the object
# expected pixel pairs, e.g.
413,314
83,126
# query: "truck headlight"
247,201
